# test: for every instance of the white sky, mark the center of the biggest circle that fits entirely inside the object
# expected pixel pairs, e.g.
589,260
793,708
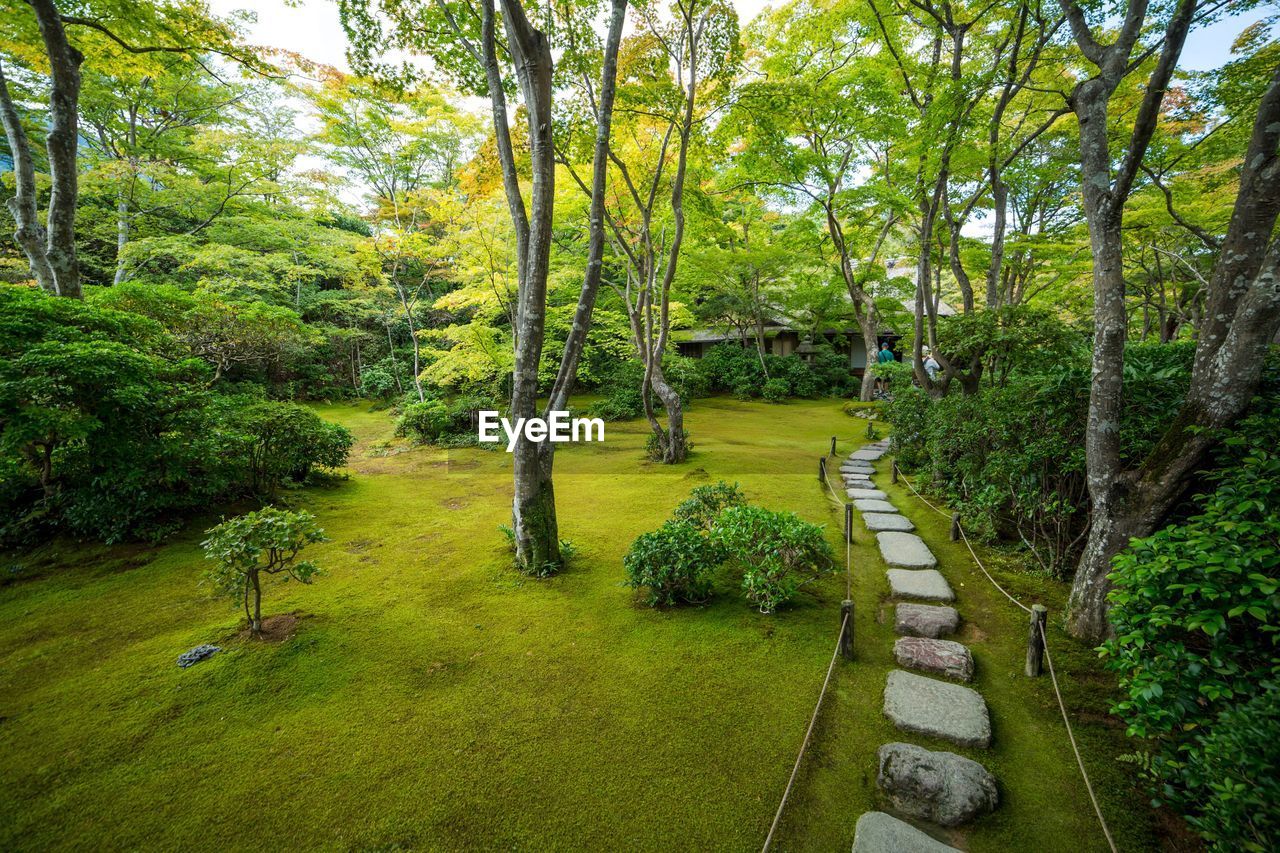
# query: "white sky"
311,28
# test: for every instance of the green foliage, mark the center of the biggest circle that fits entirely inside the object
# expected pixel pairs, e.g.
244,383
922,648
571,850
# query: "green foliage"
674,564
705,503
775,390
267,541
1196,610
436,421
778,552
285,441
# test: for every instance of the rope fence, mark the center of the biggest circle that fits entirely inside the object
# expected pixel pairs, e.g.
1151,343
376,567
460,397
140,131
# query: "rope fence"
1038,644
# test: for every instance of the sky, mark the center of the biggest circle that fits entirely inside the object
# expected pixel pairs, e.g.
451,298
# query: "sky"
311,28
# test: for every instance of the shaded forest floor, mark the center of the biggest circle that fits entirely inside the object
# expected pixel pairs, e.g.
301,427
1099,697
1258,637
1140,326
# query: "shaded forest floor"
422,694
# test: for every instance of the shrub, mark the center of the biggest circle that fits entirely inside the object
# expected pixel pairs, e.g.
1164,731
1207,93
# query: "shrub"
1196,610
673,563
777,550
285,441
436,421
378,381
706,502
264,542
775,390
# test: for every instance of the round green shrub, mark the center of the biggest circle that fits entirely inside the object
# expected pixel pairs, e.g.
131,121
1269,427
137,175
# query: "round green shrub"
779,552
775,390
673,564
705,503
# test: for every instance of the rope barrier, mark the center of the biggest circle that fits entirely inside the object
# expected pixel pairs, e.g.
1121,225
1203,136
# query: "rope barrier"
848,546
804,746
1053,677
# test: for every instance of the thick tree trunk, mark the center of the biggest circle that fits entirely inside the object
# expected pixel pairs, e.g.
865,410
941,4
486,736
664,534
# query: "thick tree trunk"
671,440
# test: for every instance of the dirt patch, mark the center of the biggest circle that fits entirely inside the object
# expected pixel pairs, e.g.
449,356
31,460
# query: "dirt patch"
359,546
455,503
275,629
971,633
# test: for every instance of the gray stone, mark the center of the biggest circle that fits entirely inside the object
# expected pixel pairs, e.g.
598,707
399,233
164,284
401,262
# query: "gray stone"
194,656
927,706
924,620
906,550
868,494
928,584
940,657
878,832
858,483
866,470
878,521
867,454
941,787
868,505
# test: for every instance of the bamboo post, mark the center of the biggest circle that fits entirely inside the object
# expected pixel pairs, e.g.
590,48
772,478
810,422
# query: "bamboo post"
955,527
893,472
848,522
846,636
1035,640
833,445
822,469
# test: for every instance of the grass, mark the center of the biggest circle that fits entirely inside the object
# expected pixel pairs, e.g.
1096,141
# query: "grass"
433,698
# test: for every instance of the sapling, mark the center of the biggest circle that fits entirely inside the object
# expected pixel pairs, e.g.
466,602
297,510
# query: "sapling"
264,542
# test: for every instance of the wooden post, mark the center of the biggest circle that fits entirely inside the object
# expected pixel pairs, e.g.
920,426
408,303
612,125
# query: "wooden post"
833,445
822,469
893,472
955,527
848,522
846,636
1035,640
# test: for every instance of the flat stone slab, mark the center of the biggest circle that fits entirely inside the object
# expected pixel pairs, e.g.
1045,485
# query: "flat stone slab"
940,657
928,584
941,787
906,550
858,483
855,468
867,454
868,505
868,494
925,620
878,521
878,832
927,706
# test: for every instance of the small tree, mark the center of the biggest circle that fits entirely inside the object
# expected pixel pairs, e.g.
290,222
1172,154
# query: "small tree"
267,541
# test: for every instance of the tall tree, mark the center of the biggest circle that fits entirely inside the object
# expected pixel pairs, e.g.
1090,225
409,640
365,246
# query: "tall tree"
1242,311
463,38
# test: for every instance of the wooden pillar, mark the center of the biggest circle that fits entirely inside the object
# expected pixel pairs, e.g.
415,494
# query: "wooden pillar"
1035,640
848,522
833,445
893,472
846,636
955,527
822,469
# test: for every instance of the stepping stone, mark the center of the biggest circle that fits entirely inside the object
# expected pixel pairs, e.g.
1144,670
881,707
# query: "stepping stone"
858,483
878,832
926,706
906,550
867,505
878,521
868,494
924,620
940,657
941,787
928,584
857,468
867,454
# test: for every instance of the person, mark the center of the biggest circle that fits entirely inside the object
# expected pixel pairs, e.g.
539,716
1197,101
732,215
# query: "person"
885,356
931,365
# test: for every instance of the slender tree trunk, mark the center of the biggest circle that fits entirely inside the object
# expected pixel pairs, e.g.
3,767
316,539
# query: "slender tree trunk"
29,233
122,236
673,445
255,624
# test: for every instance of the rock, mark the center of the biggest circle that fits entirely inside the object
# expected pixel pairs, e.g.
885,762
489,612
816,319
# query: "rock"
868,494
927,706
867,454
878,521
906,550
858,483
865,505
194,656
941,787
928,584
924,620
940,657
878,832
852,468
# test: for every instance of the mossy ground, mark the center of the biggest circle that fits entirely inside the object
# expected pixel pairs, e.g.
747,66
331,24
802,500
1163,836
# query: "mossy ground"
431,697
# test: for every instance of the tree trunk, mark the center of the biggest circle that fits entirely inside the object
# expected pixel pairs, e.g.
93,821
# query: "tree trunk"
671,441
29,233
255,623
122,236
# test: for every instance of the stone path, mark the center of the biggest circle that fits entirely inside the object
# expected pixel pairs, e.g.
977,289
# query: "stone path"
932,787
